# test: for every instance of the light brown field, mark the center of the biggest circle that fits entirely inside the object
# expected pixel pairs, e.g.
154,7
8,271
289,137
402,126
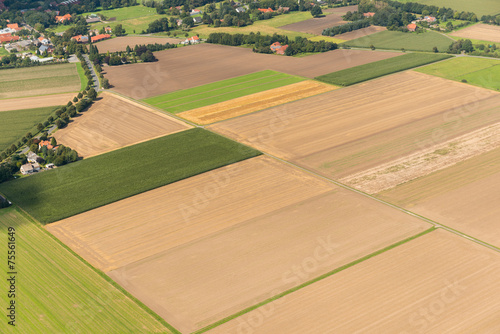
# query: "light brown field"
120,43
437,283
169,247
360,33
348,131
180,68
484,32
464,196
255,102
36,101
317,25
114,122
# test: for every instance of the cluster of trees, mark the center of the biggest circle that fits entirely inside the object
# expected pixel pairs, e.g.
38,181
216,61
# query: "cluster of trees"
461,45
225,15
158,26
491,19
13,61
351,26
62,155
7,171
262,43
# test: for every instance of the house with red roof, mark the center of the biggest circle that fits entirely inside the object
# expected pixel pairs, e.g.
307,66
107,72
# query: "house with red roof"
14,26
412,27
80,38
63,18
264,10
275,46
100,37
191,40
7,38
281,51
369,14
45,143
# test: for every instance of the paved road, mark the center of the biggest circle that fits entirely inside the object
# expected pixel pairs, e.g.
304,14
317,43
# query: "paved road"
92,71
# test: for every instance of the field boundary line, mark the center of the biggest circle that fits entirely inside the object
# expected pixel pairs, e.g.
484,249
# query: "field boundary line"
314,280
99,272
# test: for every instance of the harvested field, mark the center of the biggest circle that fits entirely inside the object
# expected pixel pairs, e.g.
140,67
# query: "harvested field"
36,102
484,32
436,283
120,43
179,68
347,36
317,25
348,131
272,216
464,196
255,102
39,80
114,122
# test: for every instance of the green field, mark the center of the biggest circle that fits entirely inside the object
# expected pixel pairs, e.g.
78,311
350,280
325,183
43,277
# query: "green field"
480,7
15,124
380,68
56,292
39,80
476,71
81,74
3,52
221,91
84,185
396,40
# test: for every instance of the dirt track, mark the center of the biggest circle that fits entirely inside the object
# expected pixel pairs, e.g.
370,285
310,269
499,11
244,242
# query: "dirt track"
36,101
120,43
115,122
484,32
181,68
438,283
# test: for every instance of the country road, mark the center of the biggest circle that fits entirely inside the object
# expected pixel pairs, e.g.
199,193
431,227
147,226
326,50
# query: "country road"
92,71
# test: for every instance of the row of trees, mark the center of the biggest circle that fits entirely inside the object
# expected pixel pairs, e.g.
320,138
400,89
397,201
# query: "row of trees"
351,26
491,19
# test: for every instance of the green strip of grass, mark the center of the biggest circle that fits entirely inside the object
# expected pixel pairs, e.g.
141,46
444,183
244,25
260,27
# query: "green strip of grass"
87,184
81,74
380,68
58,293
303,285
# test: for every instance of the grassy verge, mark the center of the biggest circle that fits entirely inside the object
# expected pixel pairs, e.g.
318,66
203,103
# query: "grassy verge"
221,91
81,74
303,285
16,123
87,184
396,40
58,293
475,71
380,68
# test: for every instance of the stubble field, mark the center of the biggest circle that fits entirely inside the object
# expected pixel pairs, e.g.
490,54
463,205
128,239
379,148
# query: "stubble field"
121,43
36,101
355,129
483,32
180,68
347,36
113,122
426,285
272,216
317,25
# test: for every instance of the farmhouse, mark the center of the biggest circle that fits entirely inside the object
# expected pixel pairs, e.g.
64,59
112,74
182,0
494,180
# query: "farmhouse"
264,10
197,20
63,18
7,38
241,9
45,48
412,27
93,18
43,40
45,143
80,38
23,45
369,14
6,31
100,37
14,26
281,51
191,40
275,46
33,157
30,168
430,19
195,12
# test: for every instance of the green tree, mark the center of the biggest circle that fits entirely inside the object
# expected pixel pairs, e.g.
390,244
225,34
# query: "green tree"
53,142
316,11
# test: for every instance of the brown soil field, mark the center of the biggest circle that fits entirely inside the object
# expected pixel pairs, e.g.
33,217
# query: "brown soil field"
173,255
354,129
360,33
464,196
437,283
484,32
120,43
180,68
114,122
317,25
36,101
255,102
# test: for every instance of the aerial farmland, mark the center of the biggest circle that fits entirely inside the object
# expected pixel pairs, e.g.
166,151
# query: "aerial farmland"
256,167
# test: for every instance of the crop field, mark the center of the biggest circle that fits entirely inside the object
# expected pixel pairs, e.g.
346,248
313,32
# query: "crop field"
281,214
58,293
122,173
221,91
179,69
39,80
463,196
113,122
396,40
380,68
316,25
479,7
15,124
475,71
426,285
35,101
409,112
120,43
255,102
484,32
347,36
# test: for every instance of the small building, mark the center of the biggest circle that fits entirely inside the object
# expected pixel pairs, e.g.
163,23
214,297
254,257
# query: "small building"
30,168
45,143
241,9
43,40
281,50
93,20
369,14
430,19
197,20
45,48
195,12
61,19
191,40
80,38
264,10
283,9
412,27
275,46
50,166
108,30
23,45
100,37
33,157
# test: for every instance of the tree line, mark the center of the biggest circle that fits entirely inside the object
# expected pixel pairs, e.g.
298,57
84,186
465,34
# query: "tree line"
351,26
